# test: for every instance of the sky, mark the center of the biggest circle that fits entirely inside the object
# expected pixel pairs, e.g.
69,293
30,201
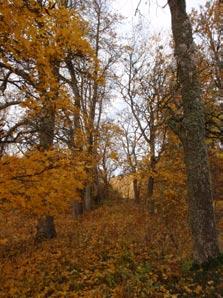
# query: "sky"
152,12
155,18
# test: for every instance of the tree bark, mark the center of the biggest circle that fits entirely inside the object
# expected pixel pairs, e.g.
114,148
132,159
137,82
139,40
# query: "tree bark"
150,199
77,209
48,113
45,228
151,180
47,126
136,191
152,166
191,131
88,197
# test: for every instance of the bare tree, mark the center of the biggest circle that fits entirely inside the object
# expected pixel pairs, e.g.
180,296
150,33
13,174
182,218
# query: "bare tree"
145,90
133,149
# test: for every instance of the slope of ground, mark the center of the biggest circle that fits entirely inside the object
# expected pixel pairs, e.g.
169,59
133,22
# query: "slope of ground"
114,251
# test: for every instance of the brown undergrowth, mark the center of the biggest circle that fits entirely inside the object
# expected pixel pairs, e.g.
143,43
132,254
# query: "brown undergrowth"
117,250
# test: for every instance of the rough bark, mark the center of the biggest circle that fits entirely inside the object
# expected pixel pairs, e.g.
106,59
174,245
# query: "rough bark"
46,137
48,113
191,131
45,228
47,126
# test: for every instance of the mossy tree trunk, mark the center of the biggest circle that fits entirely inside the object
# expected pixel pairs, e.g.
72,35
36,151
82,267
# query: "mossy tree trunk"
191,130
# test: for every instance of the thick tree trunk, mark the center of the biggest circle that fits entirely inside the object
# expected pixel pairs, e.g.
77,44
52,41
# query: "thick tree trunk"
47,126
48,113
201,213
191,131
45,228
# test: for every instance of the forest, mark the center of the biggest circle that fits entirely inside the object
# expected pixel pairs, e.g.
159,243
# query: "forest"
111,151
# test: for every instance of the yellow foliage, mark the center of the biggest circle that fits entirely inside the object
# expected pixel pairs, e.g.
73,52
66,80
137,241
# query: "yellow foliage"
42,181
34,41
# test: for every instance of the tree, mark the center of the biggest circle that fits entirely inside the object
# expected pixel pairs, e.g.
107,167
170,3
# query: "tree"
31,60
108,146
145,89
34,44
132,151
190,128
90,92
207,25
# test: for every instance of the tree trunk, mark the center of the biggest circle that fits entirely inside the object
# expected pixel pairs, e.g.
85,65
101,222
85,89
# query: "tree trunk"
150,183
77,209
150,199
47,126
191,131
45,228
136,191
151,180
48,113
88,197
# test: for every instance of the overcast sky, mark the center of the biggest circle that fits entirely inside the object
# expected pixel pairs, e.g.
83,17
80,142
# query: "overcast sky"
154,18
152,11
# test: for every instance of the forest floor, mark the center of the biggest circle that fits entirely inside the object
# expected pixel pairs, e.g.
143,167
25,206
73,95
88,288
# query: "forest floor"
117,250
